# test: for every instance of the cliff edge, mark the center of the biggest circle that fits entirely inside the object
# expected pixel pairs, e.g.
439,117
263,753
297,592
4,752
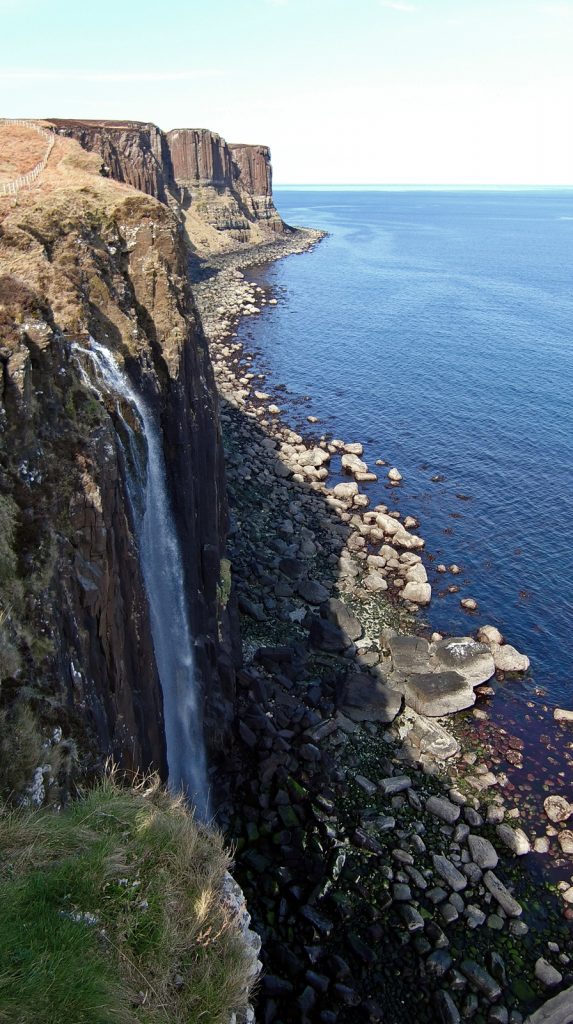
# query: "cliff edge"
221,192
81,257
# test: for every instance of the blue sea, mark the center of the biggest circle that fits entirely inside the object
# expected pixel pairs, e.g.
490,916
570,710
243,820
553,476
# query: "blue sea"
436,326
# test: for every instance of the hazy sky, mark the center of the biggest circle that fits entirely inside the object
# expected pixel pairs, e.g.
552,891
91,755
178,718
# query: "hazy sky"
362,91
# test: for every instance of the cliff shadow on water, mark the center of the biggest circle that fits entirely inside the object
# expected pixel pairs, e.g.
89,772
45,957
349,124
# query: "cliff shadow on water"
352,834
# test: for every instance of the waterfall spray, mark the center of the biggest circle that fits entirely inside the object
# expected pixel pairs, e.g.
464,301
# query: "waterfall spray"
162,568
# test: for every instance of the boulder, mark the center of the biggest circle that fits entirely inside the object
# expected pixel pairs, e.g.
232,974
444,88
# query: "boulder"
327,637
354,448
443,808
418,593
352,464
416,574
436,693
562,715
375,583
489,635
409,653
482,852
366,699
345,491
558,1010
433,739
386,523
507,659
465,656
514,838
557,808
394,475
337,612
312,591
314,457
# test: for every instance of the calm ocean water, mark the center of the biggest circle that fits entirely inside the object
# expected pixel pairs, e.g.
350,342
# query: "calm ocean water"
437,328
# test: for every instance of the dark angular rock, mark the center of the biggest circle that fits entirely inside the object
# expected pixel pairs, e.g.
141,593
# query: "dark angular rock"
339,614
274,986
480,979
327,637
366,699
438,963
321,923
446,1008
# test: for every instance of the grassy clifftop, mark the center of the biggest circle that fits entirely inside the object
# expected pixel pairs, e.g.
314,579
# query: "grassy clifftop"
112,910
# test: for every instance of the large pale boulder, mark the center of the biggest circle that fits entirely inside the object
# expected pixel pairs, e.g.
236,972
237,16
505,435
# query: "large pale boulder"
489,635
558,1010
464,655
557,808
434,680
507,659
352,464
345,491
436,693
418,593
417,574
314,457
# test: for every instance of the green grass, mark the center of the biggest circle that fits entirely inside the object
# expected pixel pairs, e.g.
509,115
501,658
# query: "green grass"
158,945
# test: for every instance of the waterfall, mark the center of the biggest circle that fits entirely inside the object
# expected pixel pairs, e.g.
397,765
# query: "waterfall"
162,568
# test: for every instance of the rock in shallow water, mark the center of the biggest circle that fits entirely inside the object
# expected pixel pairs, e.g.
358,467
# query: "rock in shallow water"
507,659
557,808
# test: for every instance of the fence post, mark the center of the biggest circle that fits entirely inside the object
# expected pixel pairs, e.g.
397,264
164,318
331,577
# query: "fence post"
13,187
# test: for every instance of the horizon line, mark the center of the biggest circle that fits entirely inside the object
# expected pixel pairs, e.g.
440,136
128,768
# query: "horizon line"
421,184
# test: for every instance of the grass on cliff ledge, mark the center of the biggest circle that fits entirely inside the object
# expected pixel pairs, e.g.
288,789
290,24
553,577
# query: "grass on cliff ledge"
111,911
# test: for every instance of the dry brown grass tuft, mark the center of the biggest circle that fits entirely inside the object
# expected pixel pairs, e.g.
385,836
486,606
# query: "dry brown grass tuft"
20,150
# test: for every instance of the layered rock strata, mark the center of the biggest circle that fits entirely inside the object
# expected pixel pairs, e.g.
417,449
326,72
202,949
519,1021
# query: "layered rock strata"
83,256
222,192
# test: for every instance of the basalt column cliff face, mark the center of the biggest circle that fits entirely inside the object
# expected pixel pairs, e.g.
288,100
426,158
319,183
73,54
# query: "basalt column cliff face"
256,184
83,256
222,193
132,152
225,190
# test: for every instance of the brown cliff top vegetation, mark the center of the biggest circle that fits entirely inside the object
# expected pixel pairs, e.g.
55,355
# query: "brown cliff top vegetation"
20,150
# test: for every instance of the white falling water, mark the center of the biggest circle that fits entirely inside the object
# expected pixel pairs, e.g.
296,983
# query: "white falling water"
162,567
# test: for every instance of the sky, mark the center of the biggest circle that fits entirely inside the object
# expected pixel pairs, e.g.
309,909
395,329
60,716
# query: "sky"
343,91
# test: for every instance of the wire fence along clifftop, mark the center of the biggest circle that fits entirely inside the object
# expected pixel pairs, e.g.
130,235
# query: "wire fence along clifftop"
13,187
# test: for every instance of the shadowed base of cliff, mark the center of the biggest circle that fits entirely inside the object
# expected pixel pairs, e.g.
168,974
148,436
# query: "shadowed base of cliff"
118,908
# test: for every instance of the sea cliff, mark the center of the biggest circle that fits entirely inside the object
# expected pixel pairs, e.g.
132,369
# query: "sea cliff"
382,877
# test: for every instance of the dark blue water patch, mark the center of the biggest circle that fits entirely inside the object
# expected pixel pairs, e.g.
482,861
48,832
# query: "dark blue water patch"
436,328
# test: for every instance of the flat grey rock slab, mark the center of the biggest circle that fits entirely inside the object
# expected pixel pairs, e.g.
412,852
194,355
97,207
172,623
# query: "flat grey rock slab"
434,739
409,654
463,654
435,693
366,699
558,1010
502,895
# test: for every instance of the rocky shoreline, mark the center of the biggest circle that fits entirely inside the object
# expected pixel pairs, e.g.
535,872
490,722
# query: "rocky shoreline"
381,888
